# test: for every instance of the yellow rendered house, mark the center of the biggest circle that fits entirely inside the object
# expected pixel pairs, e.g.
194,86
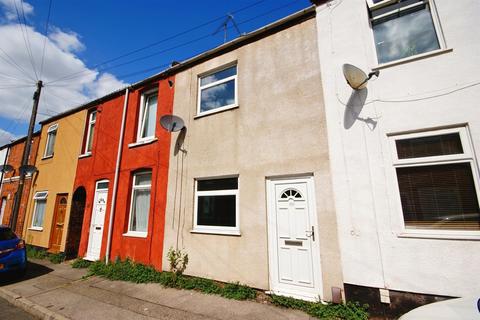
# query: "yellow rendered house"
48,210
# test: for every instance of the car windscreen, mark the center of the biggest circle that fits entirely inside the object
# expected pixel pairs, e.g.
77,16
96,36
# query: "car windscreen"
7,234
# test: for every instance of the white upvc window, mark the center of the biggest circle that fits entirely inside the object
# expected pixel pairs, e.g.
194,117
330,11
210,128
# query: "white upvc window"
437,180
40,200
218,90
51,137
140,204
404,29
147,117
216,206
92,118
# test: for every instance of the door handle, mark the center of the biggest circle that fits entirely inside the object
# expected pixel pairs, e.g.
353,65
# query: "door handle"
60,224
311,233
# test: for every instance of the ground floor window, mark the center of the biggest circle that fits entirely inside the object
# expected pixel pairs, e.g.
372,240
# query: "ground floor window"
216,205
40,199
140,203
437,180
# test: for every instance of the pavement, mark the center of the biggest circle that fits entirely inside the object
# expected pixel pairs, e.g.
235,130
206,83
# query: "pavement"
50,291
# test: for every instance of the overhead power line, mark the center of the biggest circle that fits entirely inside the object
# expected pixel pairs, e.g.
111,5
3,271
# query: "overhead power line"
80,74
23,28
161,40
45,37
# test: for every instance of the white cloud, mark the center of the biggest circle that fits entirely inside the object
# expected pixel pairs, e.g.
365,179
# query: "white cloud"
60,60
67,41
6,137
10,8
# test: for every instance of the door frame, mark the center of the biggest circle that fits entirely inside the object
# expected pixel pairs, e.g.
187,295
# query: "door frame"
92,212
315,294
54,221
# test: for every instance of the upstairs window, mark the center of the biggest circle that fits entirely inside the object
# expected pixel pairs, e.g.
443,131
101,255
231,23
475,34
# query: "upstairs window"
218,91
403,28
437,180
92,117
51,137
147,118
40,199
140,204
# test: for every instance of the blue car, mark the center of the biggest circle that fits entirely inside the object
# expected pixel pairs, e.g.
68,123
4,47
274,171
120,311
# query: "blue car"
13,254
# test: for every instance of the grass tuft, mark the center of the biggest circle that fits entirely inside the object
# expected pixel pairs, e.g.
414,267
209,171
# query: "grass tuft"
40,253
139,273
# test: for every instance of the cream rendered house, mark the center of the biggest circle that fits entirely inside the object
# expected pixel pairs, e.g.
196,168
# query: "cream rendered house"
249,192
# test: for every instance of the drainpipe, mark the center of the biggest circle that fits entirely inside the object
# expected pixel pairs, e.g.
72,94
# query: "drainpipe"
115,180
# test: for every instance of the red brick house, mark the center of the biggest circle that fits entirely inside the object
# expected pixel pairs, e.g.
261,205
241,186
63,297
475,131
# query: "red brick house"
10,181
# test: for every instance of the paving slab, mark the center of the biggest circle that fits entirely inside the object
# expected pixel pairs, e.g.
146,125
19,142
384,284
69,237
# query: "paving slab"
60,292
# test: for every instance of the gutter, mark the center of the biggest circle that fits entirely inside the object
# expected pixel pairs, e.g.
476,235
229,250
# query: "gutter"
115,180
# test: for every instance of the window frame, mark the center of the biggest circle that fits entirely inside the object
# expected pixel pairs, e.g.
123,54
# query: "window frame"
38,196
90,122
139,234
141,116
221,230
52,128
436,24
207,86
467,156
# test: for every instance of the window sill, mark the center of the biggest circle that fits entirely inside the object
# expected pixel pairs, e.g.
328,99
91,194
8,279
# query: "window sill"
142,142
85,155
135,234
217,232
47,157
35,228
473,236
412,58
207,113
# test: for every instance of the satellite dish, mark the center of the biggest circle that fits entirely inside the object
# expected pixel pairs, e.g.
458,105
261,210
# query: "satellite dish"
172,123
5,168
28,169
356,78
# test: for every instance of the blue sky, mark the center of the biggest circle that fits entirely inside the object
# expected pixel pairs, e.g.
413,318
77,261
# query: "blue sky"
84,34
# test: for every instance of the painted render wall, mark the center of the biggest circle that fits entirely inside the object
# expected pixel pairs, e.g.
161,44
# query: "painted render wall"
101,165
56,175
368,208
277,130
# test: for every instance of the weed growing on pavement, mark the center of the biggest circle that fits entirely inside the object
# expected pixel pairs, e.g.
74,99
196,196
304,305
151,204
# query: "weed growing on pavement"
139,273
37,253
79,263
348,311
178,260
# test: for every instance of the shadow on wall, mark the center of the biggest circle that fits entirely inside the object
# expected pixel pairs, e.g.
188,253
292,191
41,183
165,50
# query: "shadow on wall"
76,222
353,109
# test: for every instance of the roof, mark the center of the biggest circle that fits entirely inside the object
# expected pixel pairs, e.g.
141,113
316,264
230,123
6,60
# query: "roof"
242,40
19,140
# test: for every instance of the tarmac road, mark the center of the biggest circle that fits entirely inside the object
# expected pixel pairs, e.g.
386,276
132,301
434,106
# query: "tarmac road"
7,311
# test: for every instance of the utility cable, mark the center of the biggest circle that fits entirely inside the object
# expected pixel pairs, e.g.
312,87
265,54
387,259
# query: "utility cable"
45,37
78,74
161,41
25,37
14,64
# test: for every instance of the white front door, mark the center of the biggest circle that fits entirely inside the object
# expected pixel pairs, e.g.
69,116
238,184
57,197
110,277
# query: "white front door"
97,222
293,238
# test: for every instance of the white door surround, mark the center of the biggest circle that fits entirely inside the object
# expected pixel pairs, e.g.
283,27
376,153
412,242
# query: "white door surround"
97,221
293,239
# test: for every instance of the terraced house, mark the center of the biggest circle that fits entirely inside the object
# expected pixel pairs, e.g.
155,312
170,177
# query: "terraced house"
48,211
9,181
249,193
